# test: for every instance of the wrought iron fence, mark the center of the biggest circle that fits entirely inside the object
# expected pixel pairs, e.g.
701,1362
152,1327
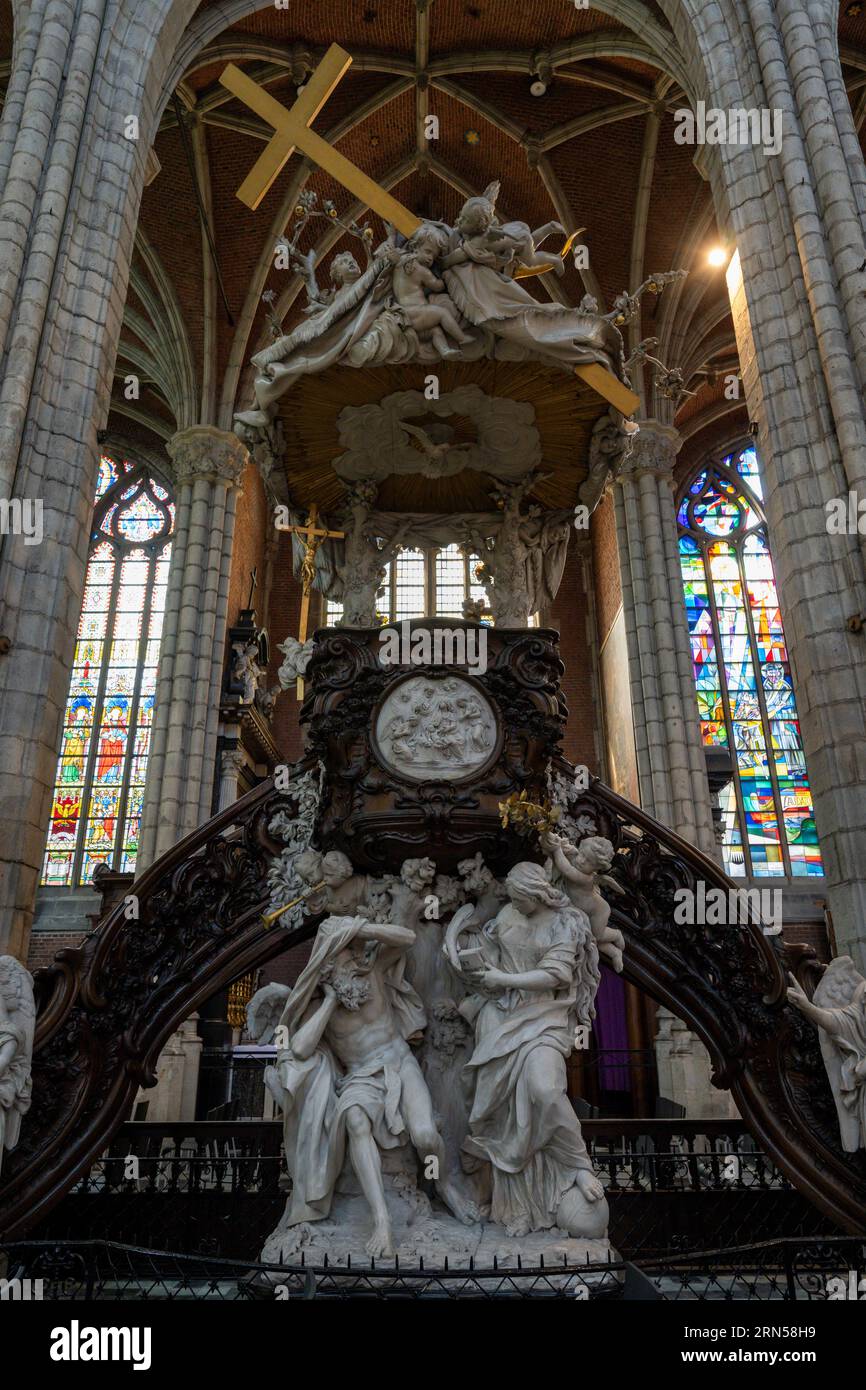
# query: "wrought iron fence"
218,1189
788,1270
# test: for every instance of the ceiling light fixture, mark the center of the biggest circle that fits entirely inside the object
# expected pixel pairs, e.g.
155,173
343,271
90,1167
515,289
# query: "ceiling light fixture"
718,256
542,74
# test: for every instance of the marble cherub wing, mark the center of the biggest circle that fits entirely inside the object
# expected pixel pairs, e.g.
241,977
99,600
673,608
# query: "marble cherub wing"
264,1011
17,1026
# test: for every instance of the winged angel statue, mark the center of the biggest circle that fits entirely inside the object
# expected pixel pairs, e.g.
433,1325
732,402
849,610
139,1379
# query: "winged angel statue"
838,1011
446,292
17,1021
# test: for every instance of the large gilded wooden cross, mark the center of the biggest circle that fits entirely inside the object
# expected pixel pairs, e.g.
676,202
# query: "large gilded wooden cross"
313,535
292,131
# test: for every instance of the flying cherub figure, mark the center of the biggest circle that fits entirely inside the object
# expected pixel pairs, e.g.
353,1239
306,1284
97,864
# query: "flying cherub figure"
526,244
505,246
580,869
413,279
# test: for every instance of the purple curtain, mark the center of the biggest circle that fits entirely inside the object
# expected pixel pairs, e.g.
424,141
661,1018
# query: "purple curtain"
611,1033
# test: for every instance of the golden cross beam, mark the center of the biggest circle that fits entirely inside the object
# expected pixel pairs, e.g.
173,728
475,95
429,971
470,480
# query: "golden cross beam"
292,131
313,536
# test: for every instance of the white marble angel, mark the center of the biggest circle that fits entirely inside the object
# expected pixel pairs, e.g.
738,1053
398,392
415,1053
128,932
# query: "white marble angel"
838,1011
366,555
345,1076
579,869
296,657
534,970
246,669
17,1022
504,566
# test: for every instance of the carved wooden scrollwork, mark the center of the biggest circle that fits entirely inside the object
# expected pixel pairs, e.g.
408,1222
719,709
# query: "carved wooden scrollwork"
728,982
379,818
106,1008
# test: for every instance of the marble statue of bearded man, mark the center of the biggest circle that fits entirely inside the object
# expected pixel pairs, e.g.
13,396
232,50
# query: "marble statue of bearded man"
345,1076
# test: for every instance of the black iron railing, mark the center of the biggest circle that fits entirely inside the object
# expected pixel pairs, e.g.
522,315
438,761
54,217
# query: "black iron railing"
218,1189
788,1270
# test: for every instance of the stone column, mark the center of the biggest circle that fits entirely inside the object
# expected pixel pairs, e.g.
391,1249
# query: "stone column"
208,468
173,1098
797,296
671,767
69,189
231,766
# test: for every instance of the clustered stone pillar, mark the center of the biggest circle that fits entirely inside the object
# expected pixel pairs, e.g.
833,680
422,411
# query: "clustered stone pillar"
671,768
69,187
797,286
180,780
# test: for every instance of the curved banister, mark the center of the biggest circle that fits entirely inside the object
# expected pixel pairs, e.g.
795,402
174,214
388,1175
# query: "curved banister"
107,1007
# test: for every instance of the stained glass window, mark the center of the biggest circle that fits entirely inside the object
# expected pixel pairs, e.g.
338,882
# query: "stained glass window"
742,672
109,712
424,583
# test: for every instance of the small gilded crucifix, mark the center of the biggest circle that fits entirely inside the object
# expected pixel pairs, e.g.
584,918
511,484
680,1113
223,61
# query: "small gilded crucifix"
313,536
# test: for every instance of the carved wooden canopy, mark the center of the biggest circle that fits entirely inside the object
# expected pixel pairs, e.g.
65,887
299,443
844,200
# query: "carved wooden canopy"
565,412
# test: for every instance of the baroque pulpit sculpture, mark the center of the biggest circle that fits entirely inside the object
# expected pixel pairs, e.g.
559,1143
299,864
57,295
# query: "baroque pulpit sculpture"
444,295
420,1062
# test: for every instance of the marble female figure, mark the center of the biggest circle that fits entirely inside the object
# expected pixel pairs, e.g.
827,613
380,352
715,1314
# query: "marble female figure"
477,272
838,1011
535,970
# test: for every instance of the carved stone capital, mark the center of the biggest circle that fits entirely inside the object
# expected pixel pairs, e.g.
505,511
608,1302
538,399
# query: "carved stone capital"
205,452
654,450
232,762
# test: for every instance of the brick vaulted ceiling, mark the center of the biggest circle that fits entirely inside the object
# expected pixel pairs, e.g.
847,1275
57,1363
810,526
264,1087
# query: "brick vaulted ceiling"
597,150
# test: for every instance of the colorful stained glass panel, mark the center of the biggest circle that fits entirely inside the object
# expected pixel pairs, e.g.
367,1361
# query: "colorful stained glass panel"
103,757
733,611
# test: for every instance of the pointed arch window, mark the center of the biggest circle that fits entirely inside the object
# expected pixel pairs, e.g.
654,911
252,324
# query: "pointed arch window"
99,788
742,672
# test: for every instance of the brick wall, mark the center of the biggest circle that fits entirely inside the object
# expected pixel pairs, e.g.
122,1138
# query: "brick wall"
285,969
249,550
812,934
569,615
44,945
